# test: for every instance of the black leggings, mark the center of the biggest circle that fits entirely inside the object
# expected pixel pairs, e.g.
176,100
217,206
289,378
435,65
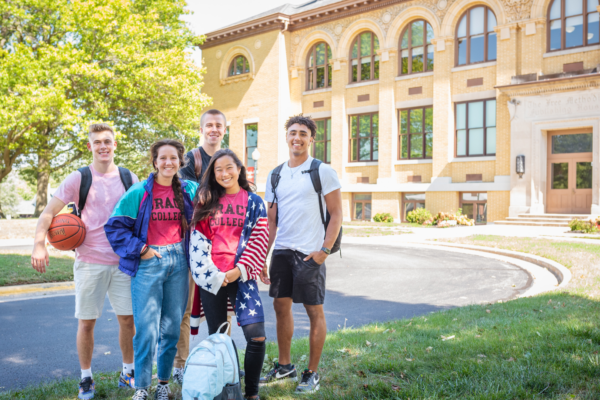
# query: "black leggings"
215,310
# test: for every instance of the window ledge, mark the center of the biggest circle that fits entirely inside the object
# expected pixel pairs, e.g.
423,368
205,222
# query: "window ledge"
474,66
361,164
571,51
317,91
359,84
405,162
236,78
472,159
412,76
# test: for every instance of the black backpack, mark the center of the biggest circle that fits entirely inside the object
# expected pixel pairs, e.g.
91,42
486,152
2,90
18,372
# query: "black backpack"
86,184
316,181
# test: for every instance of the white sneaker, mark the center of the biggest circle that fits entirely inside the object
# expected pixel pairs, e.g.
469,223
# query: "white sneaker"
162,392
140,394
178,376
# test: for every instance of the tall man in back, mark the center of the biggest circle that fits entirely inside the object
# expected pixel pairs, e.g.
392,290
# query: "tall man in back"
212,128
96,270
297,272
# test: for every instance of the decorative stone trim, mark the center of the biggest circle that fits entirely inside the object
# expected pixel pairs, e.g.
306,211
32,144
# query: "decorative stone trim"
236,79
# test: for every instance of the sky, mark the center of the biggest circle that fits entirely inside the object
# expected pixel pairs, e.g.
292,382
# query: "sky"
210,15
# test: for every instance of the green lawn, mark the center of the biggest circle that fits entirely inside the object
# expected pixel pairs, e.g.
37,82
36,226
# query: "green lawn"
15,269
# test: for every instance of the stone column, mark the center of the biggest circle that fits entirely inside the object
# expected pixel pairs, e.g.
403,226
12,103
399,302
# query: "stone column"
387,114
339,120
443,118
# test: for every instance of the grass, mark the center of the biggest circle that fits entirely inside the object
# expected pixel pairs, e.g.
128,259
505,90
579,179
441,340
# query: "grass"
541,347
15,269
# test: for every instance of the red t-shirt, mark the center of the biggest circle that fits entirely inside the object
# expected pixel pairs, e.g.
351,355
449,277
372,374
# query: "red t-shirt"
165,223
225,228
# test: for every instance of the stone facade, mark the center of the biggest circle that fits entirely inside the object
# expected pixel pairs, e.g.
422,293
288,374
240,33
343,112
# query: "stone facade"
276,88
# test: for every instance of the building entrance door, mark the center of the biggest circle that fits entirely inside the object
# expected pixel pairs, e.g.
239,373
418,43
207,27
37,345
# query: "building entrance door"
569,172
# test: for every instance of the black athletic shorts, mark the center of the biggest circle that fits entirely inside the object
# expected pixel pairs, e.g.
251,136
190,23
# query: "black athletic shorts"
291,276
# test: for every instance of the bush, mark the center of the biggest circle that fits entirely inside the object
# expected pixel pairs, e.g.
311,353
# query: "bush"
383,217
418,216
583,226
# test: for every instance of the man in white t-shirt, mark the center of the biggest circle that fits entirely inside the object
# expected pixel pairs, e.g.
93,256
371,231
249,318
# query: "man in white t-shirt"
297,272
96,270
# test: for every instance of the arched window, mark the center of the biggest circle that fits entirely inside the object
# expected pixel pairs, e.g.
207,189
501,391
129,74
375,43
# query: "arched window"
416,50
318,70
572,23
239,66
363,58
475,36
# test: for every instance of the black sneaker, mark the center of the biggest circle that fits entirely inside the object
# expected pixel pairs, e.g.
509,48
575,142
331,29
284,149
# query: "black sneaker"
140,394
309,383
279,374
178,376
87,389
162,392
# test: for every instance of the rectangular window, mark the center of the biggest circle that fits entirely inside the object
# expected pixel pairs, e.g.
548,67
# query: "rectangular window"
225,140
474,206
361,209
475,128
412,201
364,137
415,140
251,143
322,143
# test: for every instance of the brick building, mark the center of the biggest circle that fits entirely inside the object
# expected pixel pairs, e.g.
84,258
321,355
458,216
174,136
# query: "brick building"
425,103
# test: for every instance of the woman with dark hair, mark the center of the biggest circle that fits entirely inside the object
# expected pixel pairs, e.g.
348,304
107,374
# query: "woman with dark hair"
228,250
149,231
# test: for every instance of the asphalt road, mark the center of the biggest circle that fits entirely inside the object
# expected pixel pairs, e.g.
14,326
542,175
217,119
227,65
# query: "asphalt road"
37,336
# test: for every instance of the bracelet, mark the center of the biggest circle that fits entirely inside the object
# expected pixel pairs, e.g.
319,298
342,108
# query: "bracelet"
144,250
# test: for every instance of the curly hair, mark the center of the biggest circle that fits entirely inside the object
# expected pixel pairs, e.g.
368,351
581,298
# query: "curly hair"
302,120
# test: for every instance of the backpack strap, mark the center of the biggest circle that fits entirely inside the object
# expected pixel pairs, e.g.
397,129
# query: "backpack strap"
84,187
316,181
125,178
197,162
275,177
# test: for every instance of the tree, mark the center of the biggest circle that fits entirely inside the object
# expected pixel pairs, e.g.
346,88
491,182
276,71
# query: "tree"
67,63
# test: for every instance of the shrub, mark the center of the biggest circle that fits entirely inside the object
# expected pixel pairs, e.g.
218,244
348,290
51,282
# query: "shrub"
383,217
583,226
418,216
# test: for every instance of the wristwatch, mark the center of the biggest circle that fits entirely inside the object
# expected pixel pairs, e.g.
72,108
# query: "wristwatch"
326,250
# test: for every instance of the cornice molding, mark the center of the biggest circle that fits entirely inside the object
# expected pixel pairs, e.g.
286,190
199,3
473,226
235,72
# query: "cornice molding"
551,86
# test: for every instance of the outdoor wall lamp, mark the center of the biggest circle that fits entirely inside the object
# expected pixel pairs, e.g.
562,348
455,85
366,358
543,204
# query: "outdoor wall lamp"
520,165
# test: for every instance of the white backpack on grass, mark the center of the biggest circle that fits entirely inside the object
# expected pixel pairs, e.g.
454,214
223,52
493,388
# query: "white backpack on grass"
212,370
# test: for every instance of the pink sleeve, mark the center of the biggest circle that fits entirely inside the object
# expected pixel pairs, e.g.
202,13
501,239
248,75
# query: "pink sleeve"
134,178
68,191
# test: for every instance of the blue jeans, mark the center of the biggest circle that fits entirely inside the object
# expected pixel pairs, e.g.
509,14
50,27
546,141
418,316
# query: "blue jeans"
159,293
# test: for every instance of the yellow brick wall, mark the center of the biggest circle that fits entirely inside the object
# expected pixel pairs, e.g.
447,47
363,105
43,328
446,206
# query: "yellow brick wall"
309,99
554,65
485,168
437,202
386,202
354,172
402,86
497,205
346,204
459,80
353,93
403,171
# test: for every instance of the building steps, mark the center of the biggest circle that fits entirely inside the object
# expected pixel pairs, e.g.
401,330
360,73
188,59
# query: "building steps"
556,220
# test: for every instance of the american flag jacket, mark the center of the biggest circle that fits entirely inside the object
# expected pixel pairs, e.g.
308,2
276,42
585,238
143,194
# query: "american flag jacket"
250,258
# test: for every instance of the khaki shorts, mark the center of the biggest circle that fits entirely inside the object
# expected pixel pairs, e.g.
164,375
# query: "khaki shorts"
93,282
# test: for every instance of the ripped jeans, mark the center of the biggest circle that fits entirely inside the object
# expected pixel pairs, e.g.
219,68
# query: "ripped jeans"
215,310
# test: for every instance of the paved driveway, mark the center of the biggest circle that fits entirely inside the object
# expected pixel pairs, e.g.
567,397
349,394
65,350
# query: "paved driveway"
370,283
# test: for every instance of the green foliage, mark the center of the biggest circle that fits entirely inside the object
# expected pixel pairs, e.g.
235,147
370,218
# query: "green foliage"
583,226
383,217
418,216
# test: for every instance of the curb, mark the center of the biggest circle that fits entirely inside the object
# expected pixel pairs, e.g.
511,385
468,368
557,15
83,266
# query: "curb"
36,287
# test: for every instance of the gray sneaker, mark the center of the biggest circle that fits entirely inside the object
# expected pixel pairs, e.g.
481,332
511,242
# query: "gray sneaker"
178,376
310,382
140,394
279,374
162,392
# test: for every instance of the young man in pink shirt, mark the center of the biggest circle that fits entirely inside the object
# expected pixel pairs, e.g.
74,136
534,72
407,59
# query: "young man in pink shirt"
96,269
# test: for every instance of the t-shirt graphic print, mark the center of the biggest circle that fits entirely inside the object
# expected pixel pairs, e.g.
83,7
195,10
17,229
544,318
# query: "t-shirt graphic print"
165,221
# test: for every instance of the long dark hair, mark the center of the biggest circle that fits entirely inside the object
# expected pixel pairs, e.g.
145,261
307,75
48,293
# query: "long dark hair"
175,184
210,192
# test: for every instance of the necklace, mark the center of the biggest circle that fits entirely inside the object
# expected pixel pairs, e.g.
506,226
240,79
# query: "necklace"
294,170
234,198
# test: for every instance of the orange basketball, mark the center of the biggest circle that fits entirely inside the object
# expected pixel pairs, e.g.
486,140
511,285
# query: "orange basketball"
66,232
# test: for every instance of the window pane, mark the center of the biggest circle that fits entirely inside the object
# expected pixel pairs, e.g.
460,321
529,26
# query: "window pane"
462,27
461,143
354,71
355,50
481,214
476,114
470,196
329,75
417,59
592,33
591,5
555,10
482,196
574,31
319,150
320,53
416,121
560,175
225,140
492,50
429,120
250,162
477,20
573,7
475,142
462,51
405,61
408,207
404,43
375,128
252,135
376,68
321,77
467,209
404,121
477,48
417,33
362,197
416,146
376,44
365,44
329,57
584,175
365,69
414,197
328,159
320,130
491,21
353,126
311,60
375,148
247,67
232,68
578,143
420,205
429,34
311,79
461,116
365,149
555,29
404,146
490,141
429,145
365,125
354,153
239,65
490,113
367,211
328,128
358,211
430,57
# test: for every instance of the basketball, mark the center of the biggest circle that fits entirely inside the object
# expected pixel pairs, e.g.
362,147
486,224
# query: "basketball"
66,232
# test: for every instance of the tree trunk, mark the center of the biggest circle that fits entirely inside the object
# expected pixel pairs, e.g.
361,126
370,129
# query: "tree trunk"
43,177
